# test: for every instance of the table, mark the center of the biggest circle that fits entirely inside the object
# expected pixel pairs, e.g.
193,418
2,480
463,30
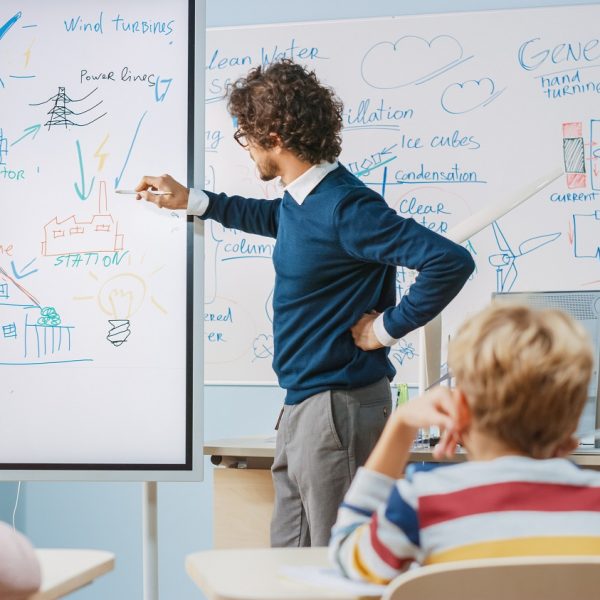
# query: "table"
255,574
65,570
258,452
243,489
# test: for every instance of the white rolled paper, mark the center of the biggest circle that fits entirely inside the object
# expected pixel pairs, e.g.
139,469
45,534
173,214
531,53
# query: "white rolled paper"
430,337
486,216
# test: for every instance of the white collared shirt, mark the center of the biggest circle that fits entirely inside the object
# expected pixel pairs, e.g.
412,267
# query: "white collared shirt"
298,189
302,186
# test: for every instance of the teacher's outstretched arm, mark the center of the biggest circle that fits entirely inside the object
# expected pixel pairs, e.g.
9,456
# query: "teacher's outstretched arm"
251,215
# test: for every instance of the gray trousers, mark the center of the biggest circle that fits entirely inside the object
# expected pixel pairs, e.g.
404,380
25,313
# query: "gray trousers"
320,444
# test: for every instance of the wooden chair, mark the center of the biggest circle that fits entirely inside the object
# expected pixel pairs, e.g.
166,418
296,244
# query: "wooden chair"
520,578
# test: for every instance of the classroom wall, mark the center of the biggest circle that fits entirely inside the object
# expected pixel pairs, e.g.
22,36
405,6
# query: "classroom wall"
108,516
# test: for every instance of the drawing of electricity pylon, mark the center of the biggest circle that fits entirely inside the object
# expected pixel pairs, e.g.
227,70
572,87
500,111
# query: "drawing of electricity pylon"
506,260
61,115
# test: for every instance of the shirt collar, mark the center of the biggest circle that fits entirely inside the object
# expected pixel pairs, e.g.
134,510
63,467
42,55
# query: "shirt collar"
302,186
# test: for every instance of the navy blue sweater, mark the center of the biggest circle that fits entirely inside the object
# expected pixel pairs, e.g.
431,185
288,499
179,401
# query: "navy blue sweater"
335,259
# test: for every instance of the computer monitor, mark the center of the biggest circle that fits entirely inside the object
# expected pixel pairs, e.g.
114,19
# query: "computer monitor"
584,307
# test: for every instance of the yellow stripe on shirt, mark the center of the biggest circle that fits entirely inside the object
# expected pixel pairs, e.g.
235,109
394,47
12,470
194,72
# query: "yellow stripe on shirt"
358,563
528,546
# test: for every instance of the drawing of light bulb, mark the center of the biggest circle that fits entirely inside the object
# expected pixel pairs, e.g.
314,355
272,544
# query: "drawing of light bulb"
121,297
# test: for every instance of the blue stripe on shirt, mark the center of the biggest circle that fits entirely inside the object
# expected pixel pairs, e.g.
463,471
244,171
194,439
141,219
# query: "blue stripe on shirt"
403,515
357,509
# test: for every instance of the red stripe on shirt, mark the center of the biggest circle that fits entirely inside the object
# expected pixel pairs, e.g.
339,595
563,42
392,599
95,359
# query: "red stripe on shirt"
386,555
512,495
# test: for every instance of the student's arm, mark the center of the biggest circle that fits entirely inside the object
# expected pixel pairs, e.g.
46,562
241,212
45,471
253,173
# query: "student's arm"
371,231
246,214
439,407
20,573
376,535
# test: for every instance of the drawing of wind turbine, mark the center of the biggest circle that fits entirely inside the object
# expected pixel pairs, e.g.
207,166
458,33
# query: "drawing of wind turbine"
505,261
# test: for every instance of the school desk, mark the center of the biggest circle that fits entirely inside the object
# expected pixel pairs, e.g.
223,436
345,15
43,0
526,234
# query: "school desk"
243,489
65,570
256,575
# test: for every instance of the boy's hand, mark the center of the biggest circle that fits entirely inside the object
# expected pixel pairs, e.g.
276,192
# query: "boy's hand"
177,197
437,406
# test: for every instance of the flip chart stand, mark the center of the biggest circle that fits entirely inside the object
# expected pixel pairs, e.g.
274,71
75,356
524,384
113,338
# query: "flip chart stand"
150,539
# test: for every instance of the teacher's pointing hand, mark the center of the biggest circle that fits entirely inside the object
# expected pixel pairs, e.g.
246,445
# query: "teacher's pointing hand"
174,196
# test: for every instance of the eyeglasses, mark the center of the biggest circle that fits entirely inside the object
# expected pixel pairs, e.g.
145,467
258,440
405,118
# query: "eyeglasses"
240,137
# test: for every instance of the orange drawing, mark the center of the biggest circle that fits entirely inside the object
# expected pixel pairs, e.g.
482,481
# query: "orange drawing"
72,236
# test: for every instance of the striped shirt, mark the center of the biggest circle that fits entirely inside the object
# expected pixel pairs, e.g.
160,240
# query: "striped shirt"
510,506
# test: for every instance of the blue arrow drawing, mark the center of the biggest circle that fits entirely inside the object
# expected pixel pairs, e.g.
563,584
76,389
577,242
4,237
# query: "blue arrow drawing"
4,29
167,82
32,131
81,191
20,274
137,130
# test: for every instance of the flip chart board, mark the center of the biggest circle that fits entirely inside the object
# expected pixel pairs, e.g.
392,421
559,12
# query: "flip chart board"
443,114
95,287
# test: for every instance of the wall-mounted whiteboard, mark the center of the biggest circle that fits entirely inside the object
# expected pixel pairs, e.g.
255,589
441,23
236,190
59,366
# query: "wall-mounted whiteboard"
94,287
443,114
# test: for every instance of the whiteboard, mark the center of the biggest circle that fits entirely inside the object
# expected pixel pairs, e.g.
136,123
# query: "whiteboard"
95,288
443,114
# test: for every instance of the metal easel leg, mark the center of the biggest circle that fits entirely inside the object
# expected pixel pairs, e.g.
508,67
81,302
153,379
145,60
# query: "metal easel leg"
430,358
150,539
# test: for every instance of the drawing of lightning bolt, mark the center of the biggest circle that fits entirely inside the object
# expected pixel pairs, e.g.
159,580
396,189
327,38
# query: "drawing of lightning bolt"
28,54
101,156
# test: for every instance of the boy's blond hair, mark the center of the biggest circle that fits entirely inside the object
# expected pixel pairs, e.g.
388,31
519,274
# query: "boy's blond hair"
525,374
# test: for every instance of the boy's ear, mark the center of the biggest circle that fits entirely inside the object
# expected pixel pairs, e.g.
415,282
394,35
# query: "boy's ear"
566,447
463,410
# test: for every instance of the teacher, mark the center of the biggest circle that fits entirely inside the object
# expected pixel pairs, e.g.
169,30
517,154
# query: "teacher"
334,304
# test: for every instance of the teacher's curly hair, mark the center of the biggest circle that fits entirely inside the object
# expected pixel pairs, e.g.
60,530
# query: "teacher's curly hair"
285,102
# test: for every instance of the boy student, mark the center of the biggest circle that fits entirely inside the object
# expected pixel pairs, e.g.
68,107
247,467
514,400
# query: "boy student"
334,303
521,384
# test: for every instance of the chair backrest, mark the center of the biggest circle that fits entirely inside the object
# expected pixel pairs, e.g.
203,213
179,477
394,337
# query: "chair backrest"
518,578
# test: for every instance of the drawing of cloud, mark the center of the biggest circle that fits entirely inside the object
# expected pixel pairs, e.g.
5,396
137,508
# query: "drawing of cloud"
410,60
459,98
